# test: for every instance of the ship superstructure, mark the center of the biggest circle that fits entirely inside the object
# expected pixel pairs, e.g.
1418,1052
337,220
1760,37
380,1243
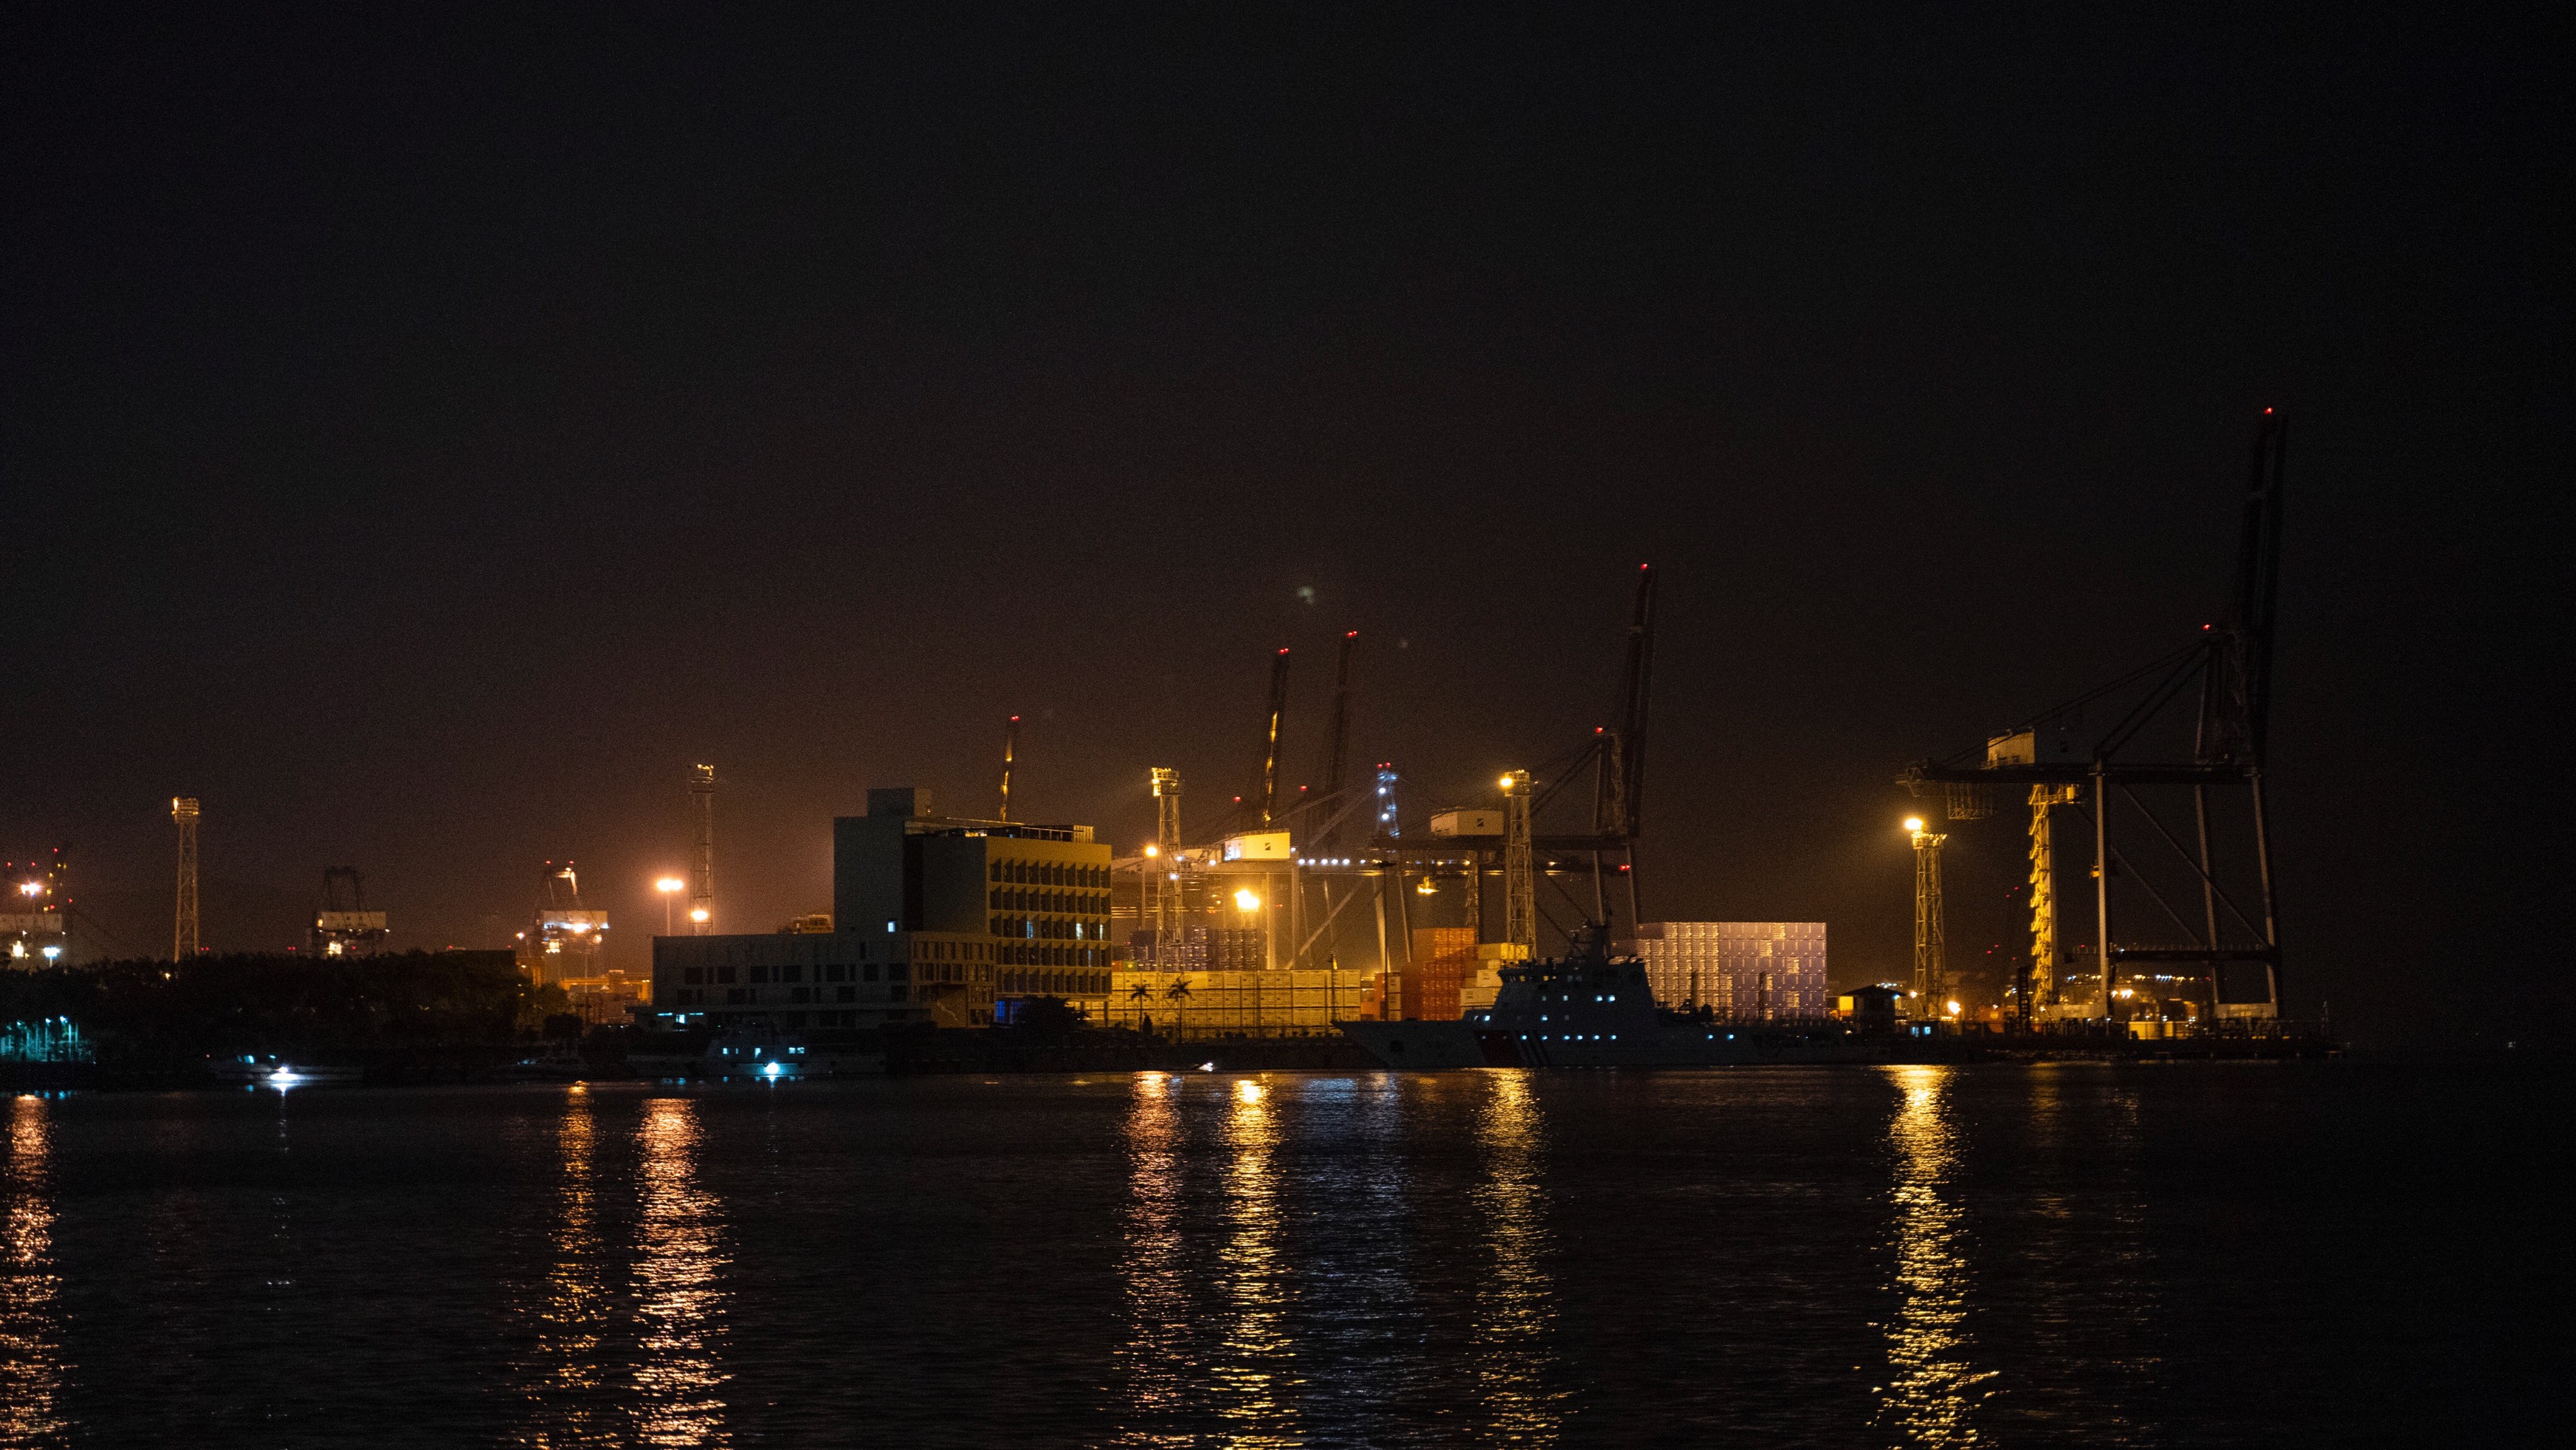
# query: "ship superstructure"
1591,1009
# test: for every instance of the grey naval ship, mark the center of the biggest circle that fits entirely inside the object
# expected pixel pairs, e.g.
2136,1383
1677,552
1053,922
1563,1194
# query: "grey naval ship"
1590,1009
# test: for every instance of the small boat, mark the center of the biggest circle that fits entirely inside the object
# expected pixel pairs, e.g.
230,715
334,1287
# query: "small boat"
275,1072
1590,1009
763,1056
553,1067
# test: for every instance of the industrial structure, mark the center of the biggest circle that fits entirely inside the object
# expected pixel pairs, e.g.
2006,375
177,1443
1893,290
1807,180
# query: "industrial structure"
566,938
1010,755
1931,947
2224,959
34,912
566,946
184,943
702,860
1287,882
342,925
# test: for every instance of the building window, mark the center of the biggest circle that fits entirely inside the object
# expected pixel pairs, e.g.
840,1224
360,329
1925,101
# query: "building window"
724,976
801,994
869,972
738,996
894,994
845,994
833,972
894,972
791,974
695,976
759,975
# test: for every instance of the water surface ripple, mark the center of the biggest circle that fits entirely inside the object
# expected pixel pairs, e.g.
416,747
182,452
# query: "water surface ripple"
2059,1255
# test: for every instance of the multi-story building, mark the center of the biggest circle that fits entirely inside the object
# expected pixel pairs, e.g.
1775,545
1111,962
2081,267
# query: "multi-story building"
1746,970
933,919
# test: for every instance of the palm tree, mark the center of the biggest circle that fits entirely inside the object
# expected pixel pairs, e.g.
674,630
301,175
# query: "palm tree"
1180,997
1140,994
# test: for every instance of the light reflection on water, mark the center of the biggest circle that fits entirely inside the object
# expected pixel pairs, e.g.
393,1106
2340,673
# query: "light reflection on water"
1154,1360
1931,1389
30,1316
1390,1260
679,1275
1255,1377
564,1400
1515,1303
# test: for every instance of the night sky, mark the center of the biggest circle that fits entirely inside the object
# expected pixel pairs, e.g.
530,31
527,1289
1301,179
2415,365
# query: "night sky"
428,434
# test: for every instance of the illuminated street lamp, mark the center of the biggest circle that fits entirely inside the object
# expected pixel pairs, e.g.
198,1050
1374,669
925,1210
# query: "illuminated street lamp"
699,914
669,886
1246,900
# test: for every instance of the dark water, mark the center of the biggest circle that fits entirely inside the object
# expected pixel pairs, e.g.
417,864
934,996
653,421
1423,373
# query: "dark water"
2300,1254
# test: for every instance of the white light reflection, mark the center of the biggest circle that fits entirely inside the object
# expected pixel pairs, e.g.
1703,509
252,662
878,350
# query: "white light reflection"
1931,1387
678,1271
565,1401
1154,1363
1515,1305
31,1371
1255,1376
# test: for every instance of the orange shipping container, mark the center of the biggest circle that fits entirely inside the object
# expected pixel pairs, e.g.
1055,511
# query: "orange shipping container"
1444,961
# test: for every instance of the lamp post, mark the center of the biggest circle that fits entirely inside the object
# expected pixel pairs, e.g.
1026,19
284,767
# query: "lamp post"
669,886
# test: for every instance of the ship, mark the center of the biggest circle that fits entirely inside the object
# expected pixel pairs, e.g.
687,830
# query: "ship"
1589,1008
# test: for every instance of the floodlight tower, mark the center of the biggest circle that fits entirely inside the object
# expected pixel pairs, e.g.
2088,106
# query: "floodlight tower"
1930,979
702,869
1166,873
1520,875
183,811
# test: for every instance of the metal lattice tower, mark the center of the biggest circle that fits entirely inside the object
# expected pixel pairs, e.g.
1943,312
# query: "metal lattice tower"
1167,848
2041,990
1931,978
1520,874
183,810
702,868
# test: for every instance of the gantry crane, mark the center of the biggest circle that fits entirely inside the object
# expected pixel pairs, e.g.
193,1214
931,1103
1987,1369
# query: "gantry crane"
2231,664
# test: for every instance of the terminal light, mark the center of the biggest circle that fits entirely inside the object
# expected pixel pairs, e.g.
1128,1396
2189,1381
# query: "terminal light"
670,883
1153,851
1914,823
1245,900
32,888
697,913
